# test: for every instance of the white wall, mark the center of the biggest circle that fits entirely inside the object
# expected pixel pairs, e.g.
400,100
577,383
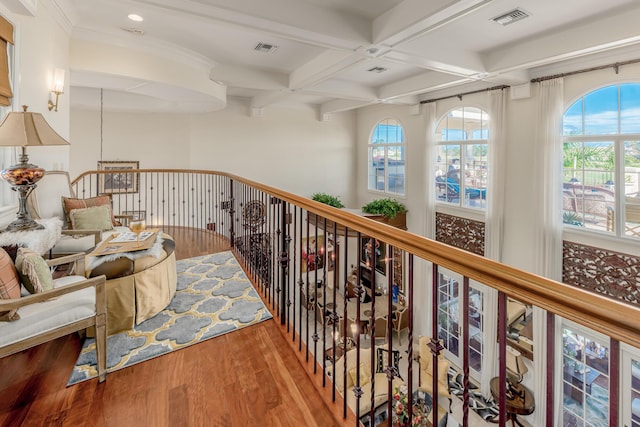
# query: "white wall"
288,148
156,140
42,45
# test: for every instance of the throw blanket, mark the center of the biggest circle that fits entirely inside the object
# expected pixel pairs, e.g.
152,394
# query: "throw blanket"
154,251
39,241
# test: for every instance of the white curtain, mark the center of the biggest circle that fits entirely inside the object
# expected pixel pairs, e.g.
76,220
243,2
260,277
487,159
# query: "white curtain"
496,179
493,228
430,180
548,252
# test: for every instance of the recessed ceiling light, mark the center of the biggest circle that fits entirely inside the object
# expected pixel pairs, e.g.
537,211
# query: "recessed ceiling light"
136,18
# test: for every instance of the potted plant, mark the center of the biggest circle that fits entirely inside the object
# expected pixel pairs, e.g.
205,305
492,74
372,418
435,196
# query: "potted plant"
389,211
327,199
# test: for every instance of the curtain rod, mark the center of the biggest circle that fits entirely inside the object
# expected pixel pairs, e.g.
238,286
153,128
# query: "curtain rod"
615,66
460,95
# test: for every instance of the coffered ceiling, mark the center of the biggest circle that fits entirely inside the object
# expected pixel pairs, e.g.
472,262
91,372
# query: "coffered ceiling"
344,54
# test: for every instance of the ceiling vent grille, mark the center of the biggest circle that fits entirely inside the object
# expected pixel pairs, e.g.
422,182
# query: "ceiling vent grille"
265,48
377,70
511,17
135,31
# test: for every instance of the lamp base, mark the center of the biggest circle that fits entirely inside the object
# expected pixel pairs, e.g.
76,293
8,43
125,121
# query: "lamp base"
23,224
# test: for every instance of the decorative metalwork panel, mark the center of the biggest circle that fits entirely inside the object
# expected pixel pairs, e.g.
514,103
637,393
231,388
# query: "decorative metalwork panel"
462,233
610,273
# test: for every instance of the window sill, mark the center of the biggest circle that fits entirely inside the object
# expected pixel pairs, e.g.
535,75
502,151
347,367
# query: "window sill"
601,240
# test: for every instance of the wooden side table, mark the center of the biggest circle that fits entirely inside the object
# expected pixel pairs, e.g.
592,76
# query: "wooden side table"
516,405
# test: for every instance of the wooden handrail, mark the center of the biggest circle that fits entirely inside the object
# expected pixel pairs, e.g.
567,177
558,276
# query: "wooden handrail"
611,317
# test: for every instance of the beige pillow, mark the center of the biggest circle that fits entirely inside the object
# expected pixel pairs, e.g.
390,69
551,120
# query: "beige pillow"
93,218
70,203
33,271
365,373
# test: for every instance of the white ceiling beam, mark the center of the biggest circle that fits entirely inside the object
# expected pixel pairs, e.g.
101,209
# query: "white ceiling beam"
414,18
265,99
246,77
323,67
425,82
458,62
339,105
610,32
301,21
342,89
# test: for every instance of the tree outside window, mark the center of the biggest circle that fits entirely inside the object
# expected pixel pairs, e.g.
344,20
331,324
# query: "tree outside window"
601,161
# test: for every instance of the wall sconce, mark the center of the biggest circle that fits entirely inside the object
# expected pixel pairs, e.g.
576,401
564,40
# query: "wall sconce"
57,87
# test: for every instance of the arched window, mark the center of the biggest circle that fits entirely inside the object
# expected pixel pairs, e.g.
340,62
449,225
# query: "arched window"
387,158
601,158
461,161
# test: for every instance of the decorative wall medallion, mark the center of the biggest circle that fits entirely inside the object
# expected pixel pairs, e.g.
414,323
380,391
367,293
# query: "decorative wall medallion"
609,273
460,232
254,214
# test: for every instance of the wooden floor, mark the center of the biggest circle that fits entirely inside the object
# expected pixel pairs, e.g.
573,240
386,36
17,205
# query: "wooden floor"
249,377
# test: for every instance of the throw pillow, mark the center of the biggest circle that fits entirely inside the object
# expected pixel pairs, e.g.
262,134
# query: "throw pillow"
365,372
34,271
9,284
93,218
69,203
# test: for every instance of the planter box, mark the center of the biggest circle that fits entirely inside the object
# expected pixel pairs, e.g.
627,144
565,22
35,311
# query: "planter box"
399,221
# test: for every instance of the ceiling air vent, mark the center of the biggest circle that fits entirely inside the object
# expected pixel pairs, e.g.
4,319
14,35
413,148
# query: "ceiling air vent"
135,31
265,48
511,17
377,70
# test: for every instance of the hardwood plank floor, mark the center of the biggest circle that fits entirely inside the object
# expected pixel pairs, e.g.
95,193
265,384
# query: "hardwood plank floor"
249,377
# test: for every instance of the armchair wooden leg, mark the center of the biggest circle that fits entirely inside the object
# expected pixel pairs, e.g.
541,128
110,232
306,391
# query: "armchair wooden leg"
101,347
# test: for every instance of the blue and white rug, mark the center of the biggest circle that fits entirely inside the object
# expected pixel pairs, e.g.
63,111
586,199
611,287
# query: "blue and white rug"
213,297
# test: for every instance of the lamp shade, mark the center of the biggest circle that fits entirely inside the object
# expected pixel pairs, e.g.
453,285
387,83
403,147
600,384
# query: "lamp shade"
27,129
514,363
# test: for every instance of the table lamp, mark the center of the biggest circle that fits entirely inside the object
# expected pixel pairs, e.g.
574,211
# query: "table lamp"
25,129
516,369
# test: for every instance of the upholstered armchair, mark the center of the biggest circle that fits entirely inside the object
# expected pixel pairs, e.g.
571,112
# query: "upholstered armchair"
381,380
425,376
73,304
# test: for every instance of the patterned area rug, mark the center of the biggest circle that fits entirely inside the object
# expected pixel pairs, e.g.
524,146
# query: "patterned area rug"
213,297
486,408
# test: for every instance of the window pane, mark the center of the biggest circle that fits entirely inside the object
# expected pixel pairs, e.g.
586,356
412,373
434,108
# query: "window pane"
632,188
448,173
475,175
601,111
585,379
376,168
395,164
630,108
588,187
572,123
387,131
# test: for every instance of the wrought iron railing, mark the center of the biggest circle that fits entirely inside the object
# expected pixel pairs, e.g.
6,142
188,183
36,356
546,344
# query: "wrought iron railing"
314,264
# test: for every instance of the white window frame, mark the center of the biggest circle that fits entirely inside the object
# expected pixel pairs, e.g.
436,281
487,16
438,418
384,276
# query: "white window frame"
386,146
587,333
618,140
463,301
461,143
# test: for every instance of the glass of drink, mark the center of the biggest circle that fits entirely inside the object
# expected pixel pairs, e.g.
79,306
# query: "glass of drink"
137,227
